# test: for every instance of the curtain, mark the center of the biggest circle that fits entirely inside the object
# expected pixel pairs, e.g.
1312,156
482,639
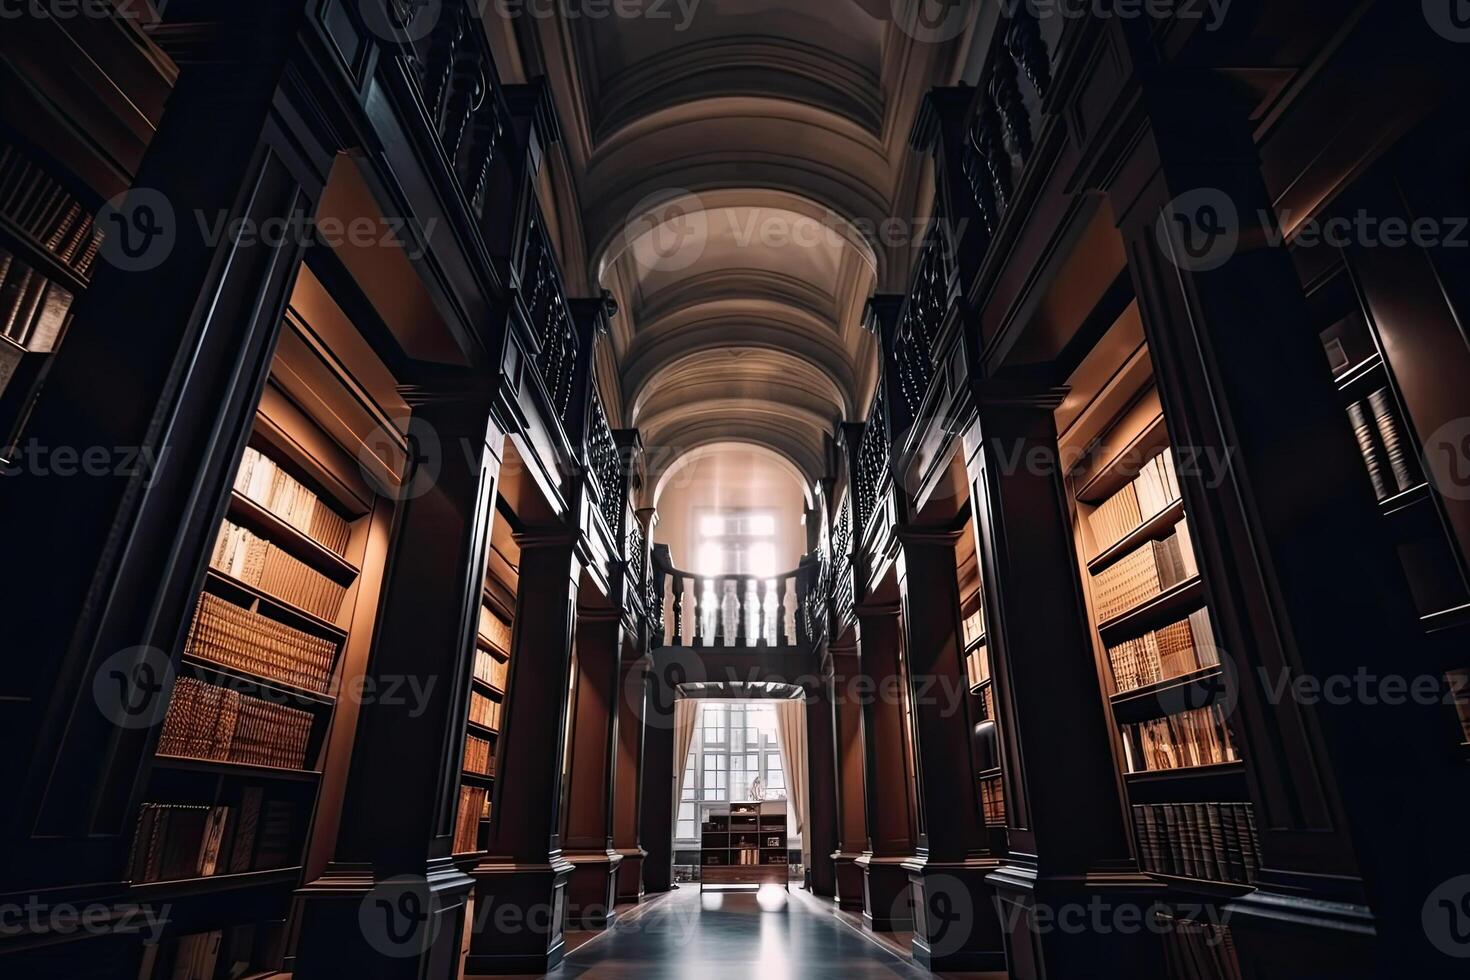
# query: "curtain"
791,733
686,710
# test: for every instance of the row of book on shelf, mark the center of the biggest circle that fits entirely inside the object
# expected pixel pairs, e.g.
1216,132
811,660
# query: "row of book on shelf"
1196,949
1213,841
33,309
1149,570
484,711
474,806
232,953
977,657
261,564
993,801
48,214
216,724
490,669
1159,655
240,639
175,841
1386,451
1149,494
262,480
494,630
1197,737
479,756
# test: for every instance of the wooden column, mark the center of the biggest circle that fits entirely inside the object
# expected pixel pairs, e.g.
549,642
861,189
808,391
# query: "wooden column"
591,780
160,375
658,784
628,783
521,885
1291,548
821,826
846,719
955,928
1059,760
392,902
891,804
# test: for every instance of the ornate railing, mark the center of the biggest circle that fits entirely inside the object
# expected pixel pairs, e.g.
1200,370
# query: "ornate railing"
872,461
730,610
551,322
919,326
605,460
1002,131
460,89
839,565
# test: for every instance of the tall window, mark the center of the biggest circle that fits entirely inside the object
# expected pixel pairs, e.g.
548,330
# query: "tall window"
734,742
738,542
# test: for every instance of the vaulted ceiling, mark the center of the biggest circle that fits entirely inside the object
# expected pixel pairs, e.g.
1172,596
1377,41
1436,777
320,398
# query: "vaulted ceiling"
728,172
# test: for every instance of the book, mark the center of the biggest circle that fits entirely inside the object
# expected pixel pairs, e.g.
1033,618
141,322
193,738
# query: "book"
1209,840
1373,454
251,559
1197,737
261,479
242,639
213,724
1395,446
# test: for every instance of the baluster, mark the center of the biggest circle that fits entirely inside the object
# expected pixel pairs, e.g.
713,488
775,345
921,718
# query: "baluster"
679,610
1006,91
782,637
1026,44
997,161
719,611
699,611
487,140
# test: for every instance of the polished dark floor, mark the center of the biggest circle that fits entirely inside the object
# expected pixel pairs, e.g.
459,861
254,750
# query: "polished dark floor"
723,936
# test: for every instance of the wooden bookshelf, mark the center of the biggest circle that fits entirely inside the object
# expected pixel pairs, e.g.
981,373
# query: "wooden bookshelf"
1154,645
745,843
985,750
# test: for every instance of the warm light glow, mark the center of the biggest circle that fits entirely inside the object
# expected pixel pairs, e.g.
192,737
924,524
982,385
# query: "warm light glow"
772,898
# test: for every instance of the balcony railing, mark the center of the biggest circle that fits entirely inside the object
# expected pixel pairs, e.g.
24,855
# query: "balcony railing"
734,610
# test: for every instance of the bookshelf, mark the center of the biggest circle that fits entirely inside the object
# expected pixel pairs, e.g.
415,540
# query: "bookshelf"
1167,692
744,843
1374,406
985,743
489,682
48,246
243,793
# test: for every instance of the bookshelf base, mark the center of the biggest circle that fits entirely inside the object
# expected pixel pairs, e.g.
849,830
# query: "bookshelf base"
401,926
954,930
1058,926
520,912
630,876
1282,935
887,905
849,880
592,890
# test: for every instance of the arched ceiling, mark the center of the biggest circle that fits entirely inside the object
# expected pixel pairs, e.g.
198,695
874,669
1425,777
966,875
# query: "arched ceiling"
726,169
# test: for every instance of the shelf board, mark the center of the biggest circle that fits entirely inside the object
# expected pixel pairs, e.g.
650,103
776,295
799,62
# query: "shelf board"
38,257
1202,886
312,621
1188,772
476,778
1118,471
1152,529
179,763
1406,500
251,515
992,773
480,729
238,677
1168,606
1351,378
1192,690
488,687
184,887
